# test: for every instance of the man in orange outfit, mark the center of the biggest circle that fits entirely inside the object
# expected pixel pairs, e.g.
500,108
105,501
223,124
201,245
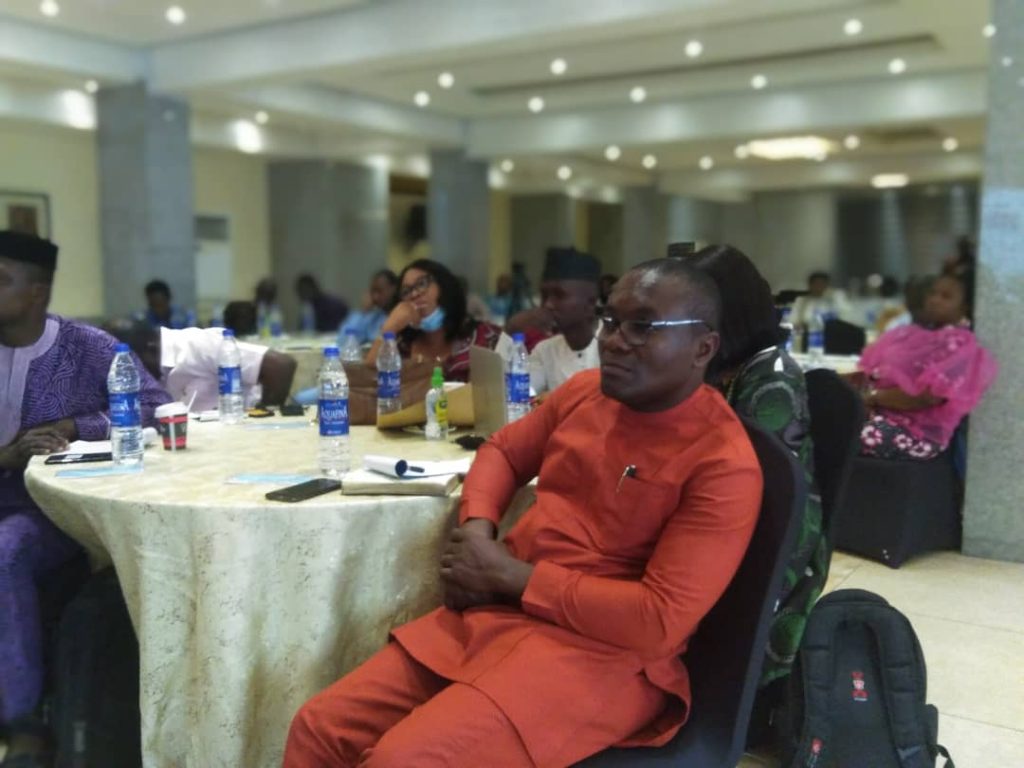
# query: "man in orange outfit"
566,638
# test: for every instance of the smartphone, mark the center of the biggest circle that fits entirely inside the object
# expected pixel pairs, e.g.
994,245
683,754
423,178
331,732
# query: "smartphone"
79,458
306,490
292,409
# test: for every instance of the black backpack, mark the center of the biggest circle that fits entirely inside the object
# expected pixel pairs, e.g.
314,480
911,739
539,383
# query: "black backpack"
856,695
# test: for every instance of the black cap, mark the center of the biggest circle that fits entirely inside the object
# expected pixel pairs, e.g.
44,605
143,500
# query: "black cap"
29,249
570,264
681,250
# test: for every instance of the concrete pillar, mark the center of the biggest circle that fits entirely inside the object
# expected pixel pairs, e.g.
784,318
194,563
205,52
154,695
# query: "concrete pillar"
993,524
645,234
604,235
539,222
328,219
146,210
459,216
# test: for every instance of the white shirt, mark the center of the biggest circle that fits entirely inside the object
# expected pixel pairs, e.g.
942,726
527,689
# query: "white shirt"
552,362
188,364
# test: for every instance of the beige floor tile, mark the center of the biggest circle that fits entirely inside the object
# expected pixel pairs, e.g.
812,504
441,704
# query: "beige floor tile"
842,567
949,585
978,745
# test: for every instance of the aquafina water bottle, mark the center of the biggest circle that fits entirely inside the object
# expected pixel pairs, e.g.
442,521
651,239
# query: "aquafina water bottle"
229,375
351,349
517,380
125,411
816,337
332,409
389,376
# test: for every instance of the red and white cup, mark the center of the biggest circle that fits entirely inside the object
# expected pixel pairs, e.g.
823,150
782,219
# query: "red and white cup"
172,423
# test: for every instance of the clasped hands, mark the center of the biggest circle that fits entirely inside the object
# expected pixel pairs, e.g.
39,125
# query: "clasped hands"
477,570
37,441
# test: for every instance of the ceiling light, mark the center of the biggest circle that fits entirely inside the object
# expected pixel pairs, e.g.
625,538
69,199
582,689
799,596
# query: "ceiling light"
421,99
649,162
637,94
1007,61
989,30
507,166
820,158
852,141
175,14
564,172
853,27
742,152
612,152
889,180
79,110
558,66
49,8
694,48
446,80
897,67
262,117
536,104
791,148
706,163
950,144
91,86
757,82
381,162
496,179
248,137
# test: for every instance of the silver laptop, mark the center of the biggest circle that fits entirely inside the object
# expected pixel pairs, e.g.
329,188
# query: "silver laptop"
487,375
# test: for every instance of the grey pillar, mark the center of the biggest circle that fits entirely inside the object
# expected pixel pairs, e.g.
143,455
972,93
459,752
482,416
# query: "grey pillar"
604,231
330,220
539,222
146,210
645,232
993,524
459,216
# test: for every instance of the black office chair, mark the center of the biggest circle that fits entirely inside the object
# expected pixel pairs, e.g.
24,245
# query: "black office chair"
727,652
837,416
843,338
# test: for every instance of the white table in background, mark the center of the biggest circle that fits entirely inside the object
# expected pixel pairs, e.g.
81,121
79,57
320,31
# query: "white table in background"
838,363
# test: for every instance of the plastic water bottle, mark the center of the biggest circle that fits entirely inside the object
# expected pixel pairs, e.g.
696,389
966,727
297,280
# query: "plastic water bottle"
518,380
389,376
229,374
816,338
191,320
276,322
437,408
125,411
351,349
788,331
332,409
307,318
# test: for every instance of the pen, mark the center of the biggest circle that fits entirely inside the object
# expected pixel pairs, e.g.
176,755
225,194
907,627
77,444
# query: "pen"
629,471
416,469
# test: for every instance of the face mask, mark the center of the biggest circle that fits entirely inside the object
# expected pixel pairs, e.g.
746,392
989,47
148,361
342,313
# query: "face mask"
433,322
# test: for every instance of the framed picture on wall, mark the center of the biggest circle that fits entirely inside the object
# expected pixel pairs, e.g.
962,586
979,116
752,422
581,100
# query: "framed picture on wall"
27,212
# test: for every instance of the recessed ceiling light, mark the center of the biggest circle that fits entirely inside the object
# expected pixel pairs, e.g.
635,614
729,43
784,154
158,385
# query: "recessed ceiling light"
742,152
889,180
637,94
694,48
820,158
989,30
791,148
176,15
248,138
706,163
1007,61
91,86
950,144
564,172
612,152
757,82
649,162
536,104
558,66
853,27
421,99
507,166
49,8
262,117
852,141
897,67
446,79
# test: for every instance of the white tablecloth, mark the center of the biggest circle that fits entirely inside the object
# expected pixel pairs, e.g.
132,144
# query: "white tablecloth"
243,607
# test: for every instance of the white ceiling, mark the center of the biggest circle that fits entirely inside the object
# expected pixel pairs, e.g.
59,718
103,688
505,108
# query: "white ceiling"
338,78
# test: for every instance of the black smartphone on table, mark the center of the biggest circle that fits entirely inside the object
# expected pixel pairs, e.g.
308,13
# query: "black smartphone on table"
306,490
79,458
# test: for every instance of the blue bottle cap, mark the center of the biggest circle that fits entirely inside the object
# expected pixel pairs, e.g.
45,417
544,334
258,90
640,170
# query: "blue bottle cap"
388,336
121,347
228,333
331,352
519,338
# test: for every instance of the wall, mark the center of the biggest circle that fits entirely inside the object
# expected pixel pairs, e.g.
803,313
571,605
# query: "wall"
605,235
539,222
795,235
500,257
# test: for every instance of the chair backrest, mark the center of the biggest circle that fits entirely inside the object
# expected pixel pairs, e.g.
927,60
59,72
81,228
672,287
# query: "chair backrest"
843,338
837,416
726,654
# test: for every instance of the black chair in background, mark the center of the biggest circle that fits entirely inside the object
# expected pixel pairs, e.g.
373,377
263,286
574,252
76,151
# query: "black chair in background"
727,652
843,338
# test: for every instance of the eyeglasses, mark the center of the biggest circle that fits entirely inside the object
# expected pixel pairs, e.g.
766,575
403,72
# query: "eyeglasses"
416,288
635,332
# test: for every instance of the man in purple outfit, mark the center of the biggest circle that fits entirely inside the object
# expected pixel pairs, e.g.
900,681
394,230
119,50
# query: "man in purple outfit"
53,389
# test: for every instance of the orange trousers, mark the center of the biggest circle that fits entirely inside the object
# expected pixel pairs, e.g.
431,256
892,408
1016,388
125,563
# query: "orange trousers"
393,712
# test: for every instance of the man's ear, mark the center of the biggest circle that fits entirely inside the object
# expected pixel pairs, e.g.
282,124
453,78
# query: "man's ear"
707,348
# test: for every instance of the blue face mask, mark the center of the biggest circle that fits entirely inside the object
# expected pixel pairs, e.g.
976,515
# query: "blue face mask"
433,322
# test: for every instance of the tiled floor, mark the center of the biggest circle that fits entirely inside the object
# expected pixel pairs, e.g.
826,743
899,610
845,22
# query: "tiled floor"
969,616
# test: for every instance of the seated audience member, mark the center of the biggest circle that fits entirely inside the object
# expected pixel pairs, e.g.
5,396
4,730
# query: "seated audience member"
568,292
920,381
321,312
53,390
431,322
565,638
822,299
377,304
242,318
267,310
606,285
160,312
186,361
915,294
763,383
498,303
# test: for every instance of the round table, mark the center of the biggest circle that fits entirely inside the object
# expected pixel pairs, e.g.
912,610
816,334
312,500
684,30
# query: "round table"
243,607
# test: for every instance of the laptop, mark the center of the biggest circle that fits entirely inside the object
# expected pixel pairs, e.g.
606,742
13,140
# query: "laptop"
487,375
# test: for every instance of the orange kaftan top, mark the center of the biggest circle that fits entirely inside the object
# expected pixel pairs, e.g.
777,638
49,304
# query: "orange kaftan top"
624,571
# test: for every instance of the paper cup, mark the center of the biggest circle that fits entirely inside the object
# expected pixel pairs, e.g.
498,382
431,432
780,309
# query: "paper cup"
172,423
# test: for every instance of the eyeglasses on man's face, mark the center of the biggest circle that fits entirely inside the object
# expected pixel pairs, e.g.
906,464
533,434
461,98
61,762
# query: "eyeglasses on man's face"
636,332
416,288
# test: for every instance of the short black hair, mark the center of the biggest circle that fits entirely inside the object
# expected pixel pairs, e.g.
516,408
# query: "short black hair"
819,275
240,317
452,299
703,300
137,334
387,274
749,318
158,286
306,279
